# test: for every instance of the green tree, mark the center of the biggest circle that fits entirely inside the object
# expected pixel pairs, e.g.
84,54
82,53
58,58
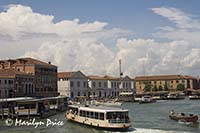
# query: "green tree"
155,88
147,86
180,87
160,88
166,87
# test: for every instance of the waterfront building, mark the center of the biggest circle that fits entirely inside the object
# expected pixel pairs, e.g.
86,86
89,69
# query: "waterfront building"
164,82
16,84
73,84
45,74
108,86
99,86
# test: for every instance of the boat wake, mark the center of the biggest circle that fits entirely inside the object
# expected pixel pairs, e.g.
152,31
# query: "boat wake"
146,130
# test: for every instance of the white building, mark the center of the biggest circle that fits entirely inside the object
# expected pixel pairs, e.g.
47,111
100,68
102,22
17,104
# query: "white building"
108,86
99,86
72,84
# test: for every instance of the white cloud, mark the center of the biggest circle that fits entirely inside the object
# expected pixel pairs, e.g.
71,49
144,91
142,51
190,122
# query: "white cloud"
85,46
181,19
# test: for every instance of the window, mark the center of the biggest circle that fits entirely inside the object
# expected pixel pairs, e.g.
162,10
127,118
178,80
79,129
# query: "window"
93,84
96,115
101,116
5,81
105,84
71,84
99,84
112,85
78,83
91,114
84,84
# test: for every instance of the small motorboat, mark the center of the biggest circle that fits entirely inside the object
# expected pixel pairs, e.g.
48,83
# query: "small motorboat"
183,117
146,99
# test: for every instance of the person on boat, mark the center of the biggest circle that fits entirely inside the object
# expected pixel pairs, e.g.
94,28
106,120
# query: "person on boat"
172,112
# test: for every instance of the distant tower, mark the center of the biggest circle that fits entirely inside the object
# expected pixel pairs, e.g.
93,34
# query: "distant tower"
120,68
120,75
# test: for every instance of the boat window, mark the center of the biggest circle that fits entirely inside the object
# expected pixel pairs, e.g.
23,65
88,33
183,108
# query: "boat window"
101,116
82,113
117,117
96,115
91,114
27,106
73,110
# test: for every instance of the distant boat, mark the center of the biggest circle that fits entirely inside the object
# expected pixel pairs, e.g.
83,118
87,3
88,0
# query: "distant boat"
176,96
109,103
108,118
146,99
194,96
126,97
183,117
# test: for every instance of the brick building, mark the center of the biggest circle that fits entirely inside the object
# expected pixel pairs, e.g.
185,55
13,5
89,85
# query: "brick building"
45,74
16,84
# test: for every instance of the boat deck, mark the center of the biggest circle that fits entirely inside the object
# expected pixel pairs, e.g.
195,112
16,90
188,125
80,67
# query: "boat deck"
98,108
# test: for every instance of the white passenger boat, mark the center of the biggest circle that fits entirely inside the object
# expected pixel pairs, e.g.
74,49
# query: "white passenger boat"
99,116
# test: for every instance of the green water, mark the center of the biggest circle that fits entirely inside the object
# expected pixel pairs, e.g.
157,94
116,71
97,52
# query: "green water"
146,118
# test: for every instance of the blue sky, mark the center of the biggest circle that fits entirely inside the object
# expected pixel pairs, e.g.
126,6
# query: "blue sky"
91,35
127,14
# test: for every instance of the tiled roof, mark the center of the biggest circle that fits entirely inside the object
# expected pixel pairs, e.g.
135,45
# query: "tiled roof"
27,61
163,77
65,74
94,77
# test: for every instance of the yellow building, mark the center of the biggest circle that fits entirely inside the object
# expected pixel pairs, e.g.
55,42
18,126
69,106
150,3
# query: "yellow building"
164,82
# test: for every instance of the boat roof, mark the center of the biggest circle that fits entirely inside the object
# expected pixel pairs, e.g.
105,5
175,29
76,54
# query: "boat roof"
30,99
15,99
95,108
126,93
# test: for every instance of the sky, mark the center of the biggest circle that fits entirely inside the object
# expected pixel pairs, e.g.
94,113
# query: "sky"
151,37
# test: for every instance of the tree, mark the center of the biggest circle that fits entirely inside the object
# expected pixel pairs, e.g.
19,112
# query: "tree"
155,88
147,86
180,87
166,88
160,88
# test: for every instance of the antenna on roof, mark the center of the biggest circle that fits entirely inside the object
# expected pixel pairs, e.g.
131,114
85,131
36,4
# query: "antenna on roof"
120,71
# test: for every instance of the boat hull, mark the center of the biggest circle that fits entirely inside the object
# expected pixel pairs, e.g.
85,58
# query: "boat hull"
98,125
192,119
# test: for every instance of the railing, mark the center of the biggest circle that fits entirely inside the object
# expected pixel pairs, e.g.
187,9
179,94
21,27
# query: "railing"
119,121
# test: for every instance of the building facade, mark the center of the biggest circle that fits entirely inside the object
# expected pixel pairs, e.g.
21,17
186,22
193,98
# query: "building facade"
164,82
45,74
99,86
73,84
16,84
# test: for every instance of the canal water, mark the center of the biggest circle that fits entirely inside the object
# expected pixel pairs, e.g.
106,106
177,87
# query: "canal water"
146,118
